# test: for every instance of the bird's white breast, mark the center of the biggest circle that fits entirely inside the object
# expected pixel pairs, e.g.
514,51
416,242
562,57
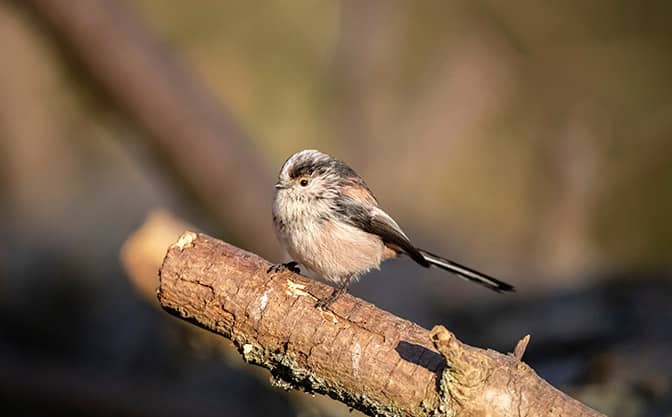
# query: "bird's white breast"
331,248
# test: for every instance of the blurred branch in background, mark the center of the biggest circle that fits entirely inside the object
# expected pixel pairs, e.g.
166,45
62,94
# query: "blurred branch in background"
143,251
199,140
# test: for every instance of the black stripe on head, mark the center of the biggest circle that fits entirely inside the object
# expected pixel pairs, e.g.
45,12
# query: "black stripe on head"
305,163
308,167
309,164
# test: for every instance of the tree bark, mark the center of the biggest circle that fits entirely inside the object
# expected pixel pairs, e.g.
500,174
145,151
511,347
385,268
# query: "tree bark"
353,352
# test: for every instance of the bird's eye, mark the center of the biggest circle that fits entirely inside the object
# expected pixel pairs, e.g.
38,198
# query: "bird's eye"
303,181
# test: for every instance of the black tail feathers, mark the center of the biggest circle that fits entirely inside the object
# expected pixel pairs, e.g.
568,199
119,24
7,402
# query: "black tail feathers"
467,273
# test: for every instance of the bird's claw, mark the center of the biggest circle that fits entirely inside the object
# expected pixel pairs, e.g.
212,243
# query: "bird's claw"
324,303
289,266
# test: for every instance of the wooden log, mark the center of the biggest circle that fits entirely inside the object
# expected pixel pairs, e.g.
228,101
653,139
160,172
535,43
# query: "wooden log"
353,352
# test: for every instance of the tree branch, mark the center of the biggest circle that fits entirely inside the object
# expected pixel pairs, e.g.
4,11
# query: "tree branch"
355,352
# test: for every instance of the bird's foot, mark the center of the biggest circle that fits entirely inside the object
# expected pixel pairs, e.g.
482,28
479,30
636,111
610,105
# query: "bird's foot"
326,302
287,266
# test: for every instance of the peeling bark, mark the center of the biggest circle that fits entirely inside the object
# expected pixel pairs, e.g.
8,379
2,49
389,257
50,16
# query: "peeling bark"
354,352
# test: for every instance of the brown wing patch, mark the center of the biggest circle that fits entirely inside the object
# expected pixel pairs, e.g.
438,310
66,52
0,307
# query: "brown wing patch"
359,193
390,253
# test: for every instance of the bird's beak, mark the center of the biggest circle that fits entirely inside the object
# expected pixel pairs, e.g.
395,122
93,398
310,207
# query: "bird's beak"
280,186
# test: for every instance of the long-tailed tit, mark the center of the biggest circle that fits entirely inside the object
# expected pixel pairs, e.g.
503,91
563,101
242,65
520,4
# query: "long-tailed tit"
329,221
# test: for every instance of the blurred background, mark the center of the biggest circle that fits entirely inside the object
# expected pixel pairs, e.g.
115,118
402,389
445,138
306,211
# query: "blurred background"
532,142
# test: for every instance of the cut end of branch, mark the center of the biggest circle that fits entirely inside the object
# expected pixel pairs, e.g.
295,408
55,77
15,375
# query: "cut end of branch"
445,342
143,252
186,240
440,335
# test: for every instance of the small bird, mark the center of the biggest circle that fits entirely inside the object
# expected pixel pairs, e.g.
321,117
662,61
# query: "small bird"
329,221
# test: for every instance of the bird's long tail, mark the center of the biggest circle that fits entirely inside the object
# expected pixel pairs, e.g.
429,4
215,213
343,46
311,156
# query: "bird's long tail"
466,272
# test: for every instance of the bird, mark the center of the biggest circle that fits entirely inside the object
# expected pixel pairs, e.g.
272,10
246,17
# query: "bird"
328,220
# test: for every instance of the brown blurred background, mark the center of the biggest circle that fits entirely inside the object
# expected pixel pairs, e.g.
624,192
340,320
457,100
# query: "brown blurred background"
530,141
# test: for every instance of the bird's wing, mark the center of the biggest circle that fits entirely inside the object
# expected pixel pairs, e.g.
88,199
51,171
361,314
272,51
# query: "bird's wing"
383,225
374,220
